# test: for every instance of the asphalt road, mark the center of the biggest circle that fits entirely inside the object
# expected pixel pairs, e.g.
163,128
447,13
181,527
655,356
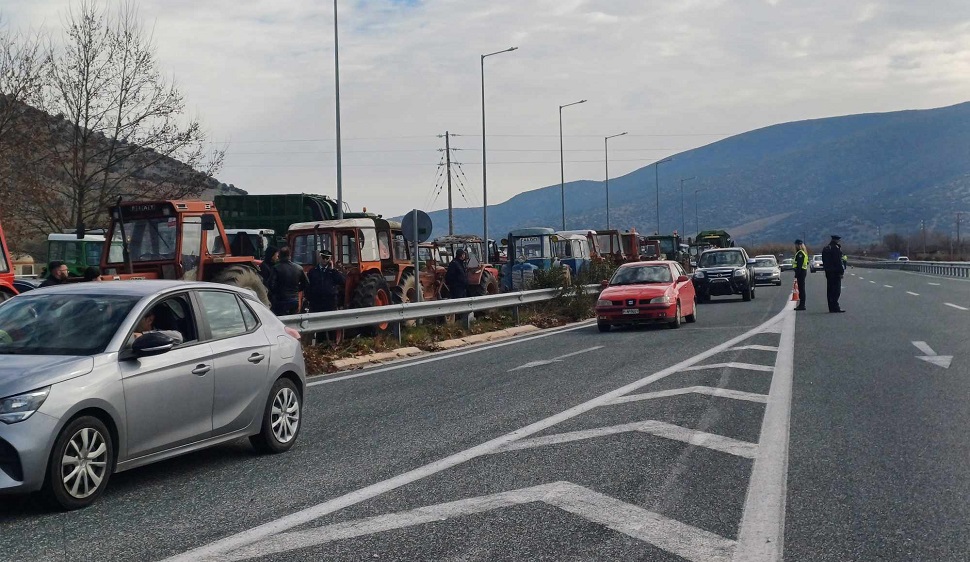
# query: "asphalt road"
753,433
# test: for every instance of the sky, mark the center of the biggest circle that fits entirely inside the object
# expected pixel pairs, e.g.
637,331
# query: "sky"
675,75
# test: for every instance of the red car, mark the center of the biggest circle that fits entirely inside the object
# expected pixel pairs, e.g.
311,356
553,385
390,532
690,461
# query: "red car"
642,292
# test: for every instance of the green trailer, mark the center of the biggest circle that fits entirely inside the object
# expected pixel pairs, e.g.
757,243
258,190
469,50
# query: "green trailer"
273,213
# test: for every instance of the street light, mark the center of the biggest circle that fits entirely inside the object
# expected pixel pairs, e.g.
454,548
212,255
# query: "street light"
656,179
606,160
683,221
696,220
562,165
336,72
484,182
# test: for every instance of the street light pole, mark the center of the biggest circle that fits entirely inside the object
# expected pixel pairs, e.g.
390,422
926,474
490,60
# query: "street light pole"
683,221
336,72
606,160
656,179
697,221
562,164
484,171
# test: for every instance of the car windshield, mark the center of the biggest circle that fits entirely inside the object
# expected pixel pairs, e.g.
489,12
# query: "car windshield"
765,262
642,274
715,259
61,324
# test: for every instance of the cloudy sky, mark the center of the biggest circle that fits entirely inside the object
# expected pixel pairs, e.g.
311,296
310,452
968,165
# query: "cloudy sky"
676,74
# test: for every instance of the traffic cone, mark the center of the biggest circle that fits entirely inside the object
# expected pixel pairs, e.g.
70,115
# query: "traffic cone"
794,291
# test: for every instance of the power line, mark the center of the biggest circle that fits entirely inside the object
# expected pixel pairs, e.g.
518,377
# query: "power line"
412,164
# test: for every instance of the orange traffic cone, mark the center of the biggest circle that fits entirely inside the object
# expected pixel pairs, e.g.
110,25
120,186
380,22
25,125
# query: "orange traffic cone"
794,291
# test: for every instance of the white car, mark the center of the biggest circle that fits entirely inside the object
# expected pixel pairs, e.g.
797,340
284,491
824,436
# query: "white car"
816,263
902,258
766,271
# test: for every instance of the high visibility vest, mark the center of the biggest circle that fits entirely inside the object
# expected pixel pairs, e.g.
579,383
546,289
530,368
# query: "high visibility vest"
801,260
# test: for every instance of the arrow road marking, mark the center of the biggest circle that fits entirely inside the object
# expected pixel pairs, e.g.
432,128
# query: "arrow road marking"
930,356
710,391
542,362
673,536
958,307
733,365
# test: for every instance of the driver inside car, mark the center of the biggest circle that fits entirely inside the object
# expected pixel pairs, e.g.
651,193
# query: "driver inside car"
147,324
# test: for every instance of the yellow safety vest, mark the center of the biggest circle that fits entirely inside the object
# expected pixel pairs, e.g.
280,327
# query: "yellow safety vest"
801,260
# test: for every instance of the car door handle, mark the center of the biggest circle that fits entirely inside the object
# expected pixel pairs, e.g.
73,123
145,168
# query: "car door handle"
201,370
256,358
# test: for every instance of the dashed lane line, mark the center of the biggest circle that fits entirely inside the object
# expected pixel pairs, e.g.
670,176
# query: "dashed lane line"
956,306
888,286
934,284
912,293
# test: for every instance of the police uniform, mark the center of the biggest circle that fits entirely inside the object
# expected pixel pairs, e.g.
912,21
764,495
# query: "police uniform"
834,262
801,271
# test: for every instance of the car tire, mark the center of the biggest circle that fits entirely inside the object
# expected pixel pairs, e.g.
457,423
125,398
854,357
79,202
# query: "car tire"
778,284
87,443
692,317
603,326
753,293
747,294
282,419
678,319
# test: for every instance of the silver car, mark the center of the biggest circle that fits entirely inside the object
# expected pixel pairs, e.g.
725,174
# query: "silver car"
766,271
102,377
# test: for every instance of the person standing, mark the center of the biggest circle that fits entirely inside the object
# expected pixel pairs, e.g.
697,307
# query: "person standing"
801,271
289,280
56,274
326,285
834,266
270,258
456,278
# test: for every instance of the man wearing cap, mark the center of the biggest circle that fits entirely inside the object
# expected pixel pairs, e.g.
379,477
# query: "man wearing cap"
801,270
833,263
326,287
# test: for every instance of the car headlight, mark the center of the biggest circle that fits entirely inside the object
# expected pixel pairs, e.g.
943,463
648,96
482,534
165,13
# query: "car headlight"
740,272
17,408
661,300
698,275
604,302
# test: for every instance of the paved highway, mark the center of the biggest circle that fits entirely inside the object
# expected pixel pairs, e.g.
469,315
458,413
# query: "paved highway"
755,433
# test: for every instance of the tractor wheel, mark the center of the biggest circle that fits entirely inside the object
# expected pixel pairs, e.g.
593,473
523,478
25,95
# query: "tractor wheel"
372,291
406,291
488,285
245,278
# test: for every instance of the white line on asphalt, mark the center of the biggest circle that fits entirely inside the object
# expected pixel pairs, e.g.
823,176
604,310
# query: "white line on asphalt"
757,347
888,286
446,355
934,284
709,390
861,277
673,536
223,546
542,362
761,537
733,365
873,282
652,427
912,293
924,347
956,306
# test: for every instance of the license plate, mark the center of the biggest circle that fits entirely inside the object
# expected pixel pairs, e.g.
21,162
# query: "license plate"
631,311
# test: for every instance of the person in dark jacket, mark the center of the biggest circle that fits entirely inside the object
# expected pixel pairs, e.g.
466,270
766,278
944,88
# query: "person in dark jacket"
266,268
834,266
92,273
456,279
327,284
288,281
56,274
800,264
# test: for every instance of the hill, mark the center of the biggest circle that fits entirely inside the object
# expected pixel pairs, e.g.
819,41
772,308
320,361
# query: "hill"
856,175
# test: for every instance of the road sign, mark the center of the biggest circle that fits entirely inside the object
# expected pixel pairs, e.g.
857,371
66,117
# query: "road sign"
418,219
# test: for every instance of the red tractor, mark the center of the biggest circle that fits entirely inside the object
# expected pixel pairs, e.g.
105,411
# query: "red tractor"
7,289
174,240
482,276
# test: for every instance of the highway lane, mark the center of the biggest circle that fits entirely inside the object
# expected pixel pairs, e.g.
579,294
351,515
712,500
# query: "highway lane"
367,429
879,451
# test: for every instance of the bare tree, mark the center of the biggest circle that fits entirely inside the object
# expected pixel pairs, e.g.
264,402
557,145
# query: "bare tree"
118,125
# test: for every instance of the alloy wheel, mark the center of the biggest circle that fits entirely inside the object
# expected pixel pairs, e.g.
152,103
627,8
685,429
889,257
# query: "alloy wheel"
84,463
285,417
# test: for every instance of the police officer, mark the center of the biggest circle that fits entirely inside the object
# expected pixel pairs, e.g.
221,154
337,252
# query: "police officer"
327,285
833,263
801,271
288,281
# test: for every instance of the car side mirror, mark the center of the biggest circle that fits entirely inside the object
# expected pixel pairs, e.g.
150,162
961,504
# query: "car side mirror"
683,279
153,343
752,262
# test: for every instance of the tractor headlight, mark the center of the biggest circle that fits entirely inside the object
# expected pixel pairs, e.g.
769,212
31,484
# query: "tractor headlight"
17,408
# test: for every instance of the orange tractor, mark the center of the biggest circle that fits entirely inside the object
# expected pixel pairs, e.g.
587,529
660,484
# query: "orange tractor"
482,276
7,289
174,240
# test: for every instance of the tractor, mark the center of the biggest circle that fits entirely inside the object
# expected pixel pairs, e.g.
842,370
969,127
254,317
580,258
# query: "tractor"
595,253
77,253
7,289
530,250
672,247
572,251
174,240
482,274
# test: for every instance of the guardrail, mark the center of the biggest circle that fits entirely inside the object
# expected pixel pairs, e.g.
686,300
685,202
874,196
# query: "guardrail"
960,269
396,314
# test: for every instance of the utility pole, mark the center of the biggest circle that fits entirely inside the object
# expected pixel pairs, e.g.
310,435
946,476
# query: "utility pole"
922,225
336,72
959,249
451,209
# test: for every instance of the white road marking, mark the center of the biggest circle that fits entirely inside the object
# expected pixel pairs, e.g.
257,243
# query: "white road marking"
873,282
761,537
931,356
220,548
888,286
912,293
542,362
924,347
934,284
446,355
711,391
672,536
733,365
652,427
956,306
757,347
860,277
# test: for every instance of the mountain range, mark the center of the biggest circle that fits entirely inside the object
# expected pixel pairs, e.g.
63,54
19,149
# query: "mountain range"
860,176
